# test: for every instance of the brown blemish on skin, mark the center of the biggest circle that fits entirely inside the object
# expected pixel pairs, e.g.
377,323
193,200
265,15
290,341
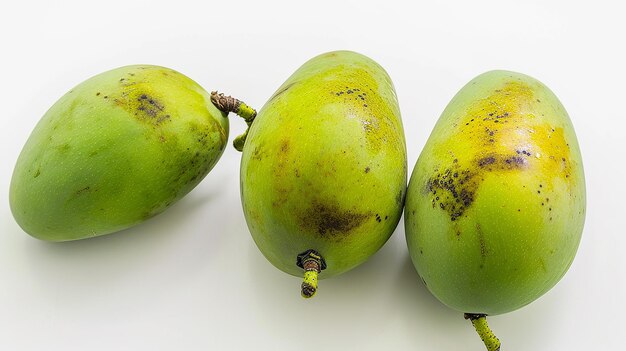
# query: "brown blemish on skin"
145,106
502,162
485,161
284,146
257,153
400,197
519,142
282,195
454,188
329,220
37,173
82,191
280,172
453,194
256,217
192,163
151,109
63,148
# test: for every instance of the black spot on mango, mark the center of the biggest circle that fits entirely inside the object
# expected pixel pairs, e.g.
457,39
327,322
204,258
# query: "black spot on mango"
331,221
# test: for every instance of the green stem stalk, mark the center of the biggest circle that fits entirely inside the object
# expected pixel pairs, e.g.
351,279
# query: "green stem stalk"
309,284
479,321
312,263
230,104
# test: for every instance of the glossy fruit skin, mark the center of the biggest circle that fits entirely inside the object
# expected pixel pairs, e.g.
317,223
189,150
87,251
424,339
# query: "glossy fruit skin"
496,203
114,151
324,165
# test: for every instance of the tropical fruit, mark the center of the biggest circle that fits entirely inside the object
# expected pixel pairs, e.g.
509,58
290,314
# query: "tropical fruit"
496,202
323,170
114,151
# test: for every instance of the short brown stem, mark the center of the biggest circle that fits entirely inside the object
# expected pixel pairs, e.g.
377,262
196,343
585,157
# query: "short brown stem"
230,104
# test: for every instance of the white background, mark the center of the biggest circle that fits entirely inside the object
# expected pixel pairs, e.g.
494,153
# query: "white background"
192,278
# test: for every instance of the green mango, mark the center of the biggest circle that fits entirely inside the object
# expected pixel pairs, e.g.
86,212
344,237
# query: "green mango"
323,170
114,151
496,203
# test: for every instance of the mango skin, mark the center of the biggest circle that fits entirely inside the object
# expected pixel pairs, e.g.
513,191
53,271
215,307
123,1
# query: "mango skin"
114,151
496,203
324,165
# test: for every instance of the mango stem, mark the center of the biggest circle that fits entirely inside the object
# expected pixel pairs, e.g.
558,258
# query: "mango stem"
309,285
230,104
312,263
479,321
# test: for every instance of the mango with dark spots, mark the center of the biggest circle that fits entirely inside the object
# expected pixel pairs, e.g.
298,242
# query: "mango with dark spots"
116,150
324,165
496,203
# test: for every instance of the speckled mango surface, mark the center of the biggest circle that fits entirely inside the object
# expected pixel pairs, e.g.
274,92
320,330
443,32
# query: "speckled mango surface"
324,165
496,202
117,149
